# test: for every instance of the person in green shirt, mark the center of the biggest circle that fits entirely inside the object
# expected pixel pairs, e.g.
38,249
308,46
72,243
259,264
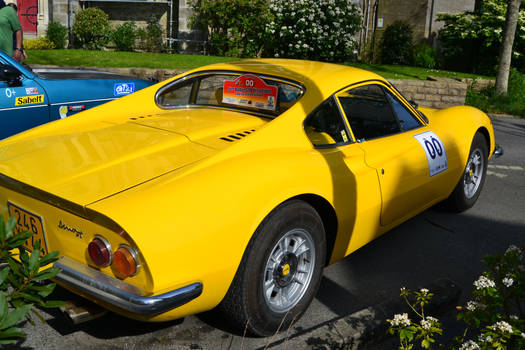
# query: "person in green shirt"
10,24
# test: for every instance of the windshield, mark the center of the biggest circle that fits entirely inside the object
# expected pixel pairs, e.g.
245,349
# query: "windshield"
250,92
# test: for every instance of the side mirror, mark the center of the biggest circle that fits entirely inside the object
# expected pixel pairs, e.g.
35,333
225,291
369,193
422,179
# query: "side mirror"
10,74
413,104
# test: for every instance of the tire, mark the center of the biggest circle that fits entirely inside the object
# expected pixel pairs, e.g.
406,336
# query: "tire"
277,255
469,187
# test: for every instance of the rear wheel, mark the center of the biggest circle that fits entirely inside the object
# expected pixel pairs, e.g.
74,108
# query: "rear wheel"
469,187
280,271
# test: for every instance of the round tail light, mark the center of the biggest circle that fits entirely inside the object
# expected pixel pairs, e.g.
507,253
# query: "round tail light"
125,261
100,252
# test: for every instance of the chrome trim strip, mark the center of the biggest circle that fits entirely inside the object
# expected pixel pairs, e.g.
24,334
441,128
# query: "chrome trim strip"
73,208
96,100
498,151
122,295
12,108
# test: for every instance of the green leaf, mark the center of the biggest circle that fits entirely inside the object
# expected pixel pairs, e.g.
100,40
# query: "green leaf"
54,303
3,274
425,344
3,307
12,332
46,274
10,226
40,317
45,290
2,229
33,261
29,297
49,258
15,316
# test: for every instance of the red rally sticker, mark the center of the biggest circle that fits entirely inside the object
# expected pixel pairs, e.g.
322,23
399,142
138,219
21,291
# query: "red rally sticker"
250,91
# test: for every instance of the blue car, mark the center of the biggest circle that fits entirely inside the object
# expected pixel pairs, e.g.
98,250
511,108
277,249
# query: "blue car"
30,98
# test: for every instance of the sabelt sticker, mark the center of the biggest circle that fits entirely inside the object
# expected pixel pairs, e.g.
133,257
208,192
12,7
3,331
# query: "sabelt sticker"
122,89
250,91
32,91
29,100
435,152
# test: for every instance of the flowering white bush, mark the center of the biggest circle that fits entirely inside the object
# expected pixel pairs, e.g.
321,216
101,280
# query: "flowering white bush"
313,29
484,282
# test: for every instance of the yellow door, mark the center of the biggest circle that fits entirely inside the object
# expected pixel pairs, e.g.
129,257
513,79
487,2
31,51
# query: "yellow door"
393,140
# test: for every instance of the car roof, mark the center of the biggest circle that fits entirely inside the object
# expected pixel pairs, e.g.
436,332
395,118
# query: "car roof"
323,77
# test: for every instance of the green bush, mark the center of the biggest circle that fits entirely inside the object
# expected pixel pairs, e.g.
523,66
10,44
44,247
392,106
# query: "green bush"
396,45
91,28
424,56
40,43
313,29
471,40
150,38
488,101
233,27
124,36
23,284
57,34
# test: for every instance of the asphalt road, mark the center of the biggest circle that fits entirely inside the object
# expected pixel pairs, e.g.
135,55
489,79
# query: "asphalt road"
433,245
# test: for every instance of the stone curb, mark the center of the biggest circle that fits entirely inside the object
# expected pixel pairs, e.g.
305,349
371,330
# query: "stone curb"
364,327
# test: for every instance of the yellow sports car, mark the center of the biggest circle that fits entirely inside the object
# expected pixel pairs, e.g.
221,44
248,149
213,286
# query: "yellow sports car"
233,185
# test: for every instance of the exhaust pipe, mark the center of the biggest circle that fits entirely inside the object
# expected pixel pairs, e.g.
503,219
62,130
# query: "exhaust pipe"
80,311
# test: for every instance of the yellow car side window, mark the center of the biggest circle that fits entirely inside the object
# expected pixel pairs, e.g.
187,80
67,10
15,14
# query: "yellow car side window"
325,126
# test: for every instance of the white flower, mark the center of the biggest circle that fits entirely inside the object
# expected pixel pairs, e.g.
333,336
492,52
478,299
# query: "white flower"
483,338
512,248
483,282
427,323
432,319
502,326
472,305
513,317
523,335
400,320
507,281
469,345
424,290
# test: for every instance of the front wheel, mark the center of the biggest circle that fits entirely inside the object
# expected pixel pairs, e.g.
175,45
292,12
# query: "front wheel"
280,271
469,187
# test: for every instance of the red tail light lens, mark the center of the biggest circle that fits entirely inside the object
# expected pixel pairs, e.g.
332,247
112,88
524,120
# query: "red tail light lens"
100,252
125,261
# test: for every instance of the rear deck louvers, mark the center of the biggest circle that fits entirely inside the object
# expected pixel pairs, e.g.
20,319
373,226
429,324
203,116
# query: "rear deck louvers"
237,135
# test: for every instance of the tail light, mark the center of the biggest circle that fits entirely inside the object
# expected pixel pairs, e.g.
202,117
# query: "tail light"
125,261
100,251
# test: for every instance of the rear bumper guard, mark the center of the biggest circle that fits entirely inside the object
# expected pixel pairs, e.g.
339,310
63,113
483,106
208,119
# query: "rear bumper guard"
123,295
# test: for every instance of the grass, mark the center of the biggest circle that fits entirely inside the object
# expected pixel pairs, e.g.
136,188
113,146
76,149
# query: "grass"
177,61
120,59
410,72
513,103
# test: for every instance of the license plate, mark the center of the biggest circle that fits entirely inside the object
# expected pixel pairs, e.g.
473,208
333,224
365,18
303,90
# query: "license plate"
26,221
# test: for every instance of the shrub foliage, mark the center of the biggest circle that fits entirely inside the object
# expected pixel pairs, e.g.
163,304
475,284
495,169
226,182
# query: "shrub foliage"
233,27
471,40
150,38
396,45
124,36
23,282
40,43
91,28
57,34
313,29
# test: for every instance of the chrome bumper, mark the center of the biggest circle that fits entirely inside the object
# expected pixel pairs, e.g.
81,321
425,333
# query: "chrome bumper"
123,295
498,151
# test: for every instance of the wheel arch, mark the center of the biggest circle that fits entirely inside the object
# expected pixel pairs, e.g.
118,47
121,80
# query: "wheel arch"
329,217
486,134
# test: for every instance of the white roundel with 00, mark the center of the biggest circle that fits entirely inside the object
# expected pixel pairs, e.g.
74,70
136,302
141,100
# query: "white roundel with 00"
435,152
